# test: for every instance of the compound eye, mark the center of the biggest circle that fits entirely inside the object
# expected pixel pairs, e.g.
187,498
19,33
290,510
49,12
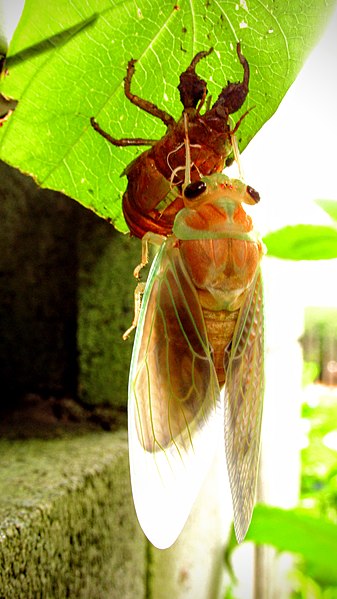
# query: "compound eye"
253,194
194,190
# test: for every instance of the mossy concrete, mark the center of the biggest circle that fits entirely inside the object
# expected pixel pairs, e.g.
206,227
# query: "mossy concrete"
105,310
38,295
67,522
66,296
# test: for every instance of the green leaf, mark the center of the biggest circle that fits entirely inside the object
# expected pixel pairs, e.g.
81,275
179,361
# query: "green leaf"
67,61
329,206
302,242
292,530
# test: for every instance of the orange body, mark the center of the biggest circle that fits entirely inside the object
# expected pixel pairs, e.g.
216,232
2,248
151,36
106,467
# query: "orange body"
200,326
207,285
222,271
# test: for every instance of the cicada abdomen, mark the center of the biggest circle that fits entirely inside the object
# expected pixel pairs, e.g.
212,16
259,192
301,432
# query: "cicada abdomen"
200,327
154,192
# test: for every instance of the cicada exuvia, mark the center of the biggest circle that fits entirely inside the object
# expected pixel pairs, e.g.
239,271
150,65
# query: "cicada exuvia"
200,328
154,192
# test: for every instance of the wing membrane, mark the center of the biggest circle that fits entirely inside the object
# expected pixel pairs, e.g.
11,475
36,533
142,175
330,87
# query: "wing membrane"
173,400
243,406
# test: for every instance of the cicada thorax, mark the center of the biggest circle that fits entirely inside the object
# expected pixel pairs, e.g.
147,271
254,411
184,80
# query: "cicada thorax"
221,253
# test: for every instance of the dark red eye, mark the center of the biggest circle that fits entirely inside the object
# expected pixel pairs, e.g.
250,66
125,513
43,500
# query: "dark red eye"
194,190
253,194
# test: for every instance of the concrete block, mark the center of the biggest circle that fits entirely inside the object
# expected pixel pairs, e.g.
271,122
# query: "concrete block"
67,523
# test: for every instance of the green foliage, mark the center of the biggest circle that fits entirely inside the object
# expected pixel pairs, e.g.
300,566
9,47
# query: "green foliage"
305,242
67,62
310,373
313,538
309,533
329,206
302,242
319,462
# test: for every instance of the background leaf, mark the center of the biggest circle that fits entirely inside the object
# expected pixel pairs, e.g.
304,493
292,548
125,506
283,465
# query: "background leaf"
329,206
67,63
292,530
302,242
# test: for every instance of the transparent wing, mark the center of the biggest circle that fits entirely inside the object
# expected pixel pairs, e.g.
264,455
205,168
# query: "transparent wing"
243,406
174,402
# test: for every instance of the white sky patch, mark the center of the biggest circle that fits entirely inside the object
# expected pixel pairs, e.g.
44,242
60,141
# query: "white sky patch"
330,440
290,170
166,98
243,25
10,13
243,5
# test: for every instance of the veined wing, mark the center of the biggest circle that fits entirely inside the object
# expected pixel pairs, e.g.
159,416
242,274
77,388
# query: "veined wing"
173,400
243,406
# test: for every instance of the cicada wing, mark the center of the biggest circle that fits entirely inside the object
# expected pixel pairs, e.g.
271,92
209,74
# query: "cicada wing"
174,401
243,406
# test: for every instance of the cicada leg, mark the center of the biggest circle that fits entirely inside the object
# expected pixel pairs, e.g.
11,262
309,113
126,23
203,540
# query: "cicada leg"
245,65
124,141
192,88
148,238
145,105
233,95
138,295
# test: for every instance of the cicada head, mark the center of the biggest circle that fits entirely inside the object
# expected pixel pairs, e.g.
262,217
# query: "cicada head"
213,206
209,189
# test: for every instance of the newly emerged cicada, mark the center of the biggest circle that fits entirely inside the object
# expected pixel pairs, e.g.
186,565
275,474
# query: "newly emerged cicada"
200,324
154,192
200,327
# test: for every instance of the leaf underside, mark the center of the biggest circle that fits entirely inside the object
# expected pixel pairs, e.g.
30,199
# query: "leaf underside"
67,64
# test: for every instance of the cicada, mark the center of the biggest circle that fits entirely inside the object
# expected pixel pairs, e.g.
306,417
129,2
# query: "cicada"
154,192
200,329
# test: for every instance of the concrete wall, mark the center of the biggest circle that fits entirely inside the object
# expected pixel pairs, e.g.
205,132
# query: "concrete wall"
67,521
67,524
